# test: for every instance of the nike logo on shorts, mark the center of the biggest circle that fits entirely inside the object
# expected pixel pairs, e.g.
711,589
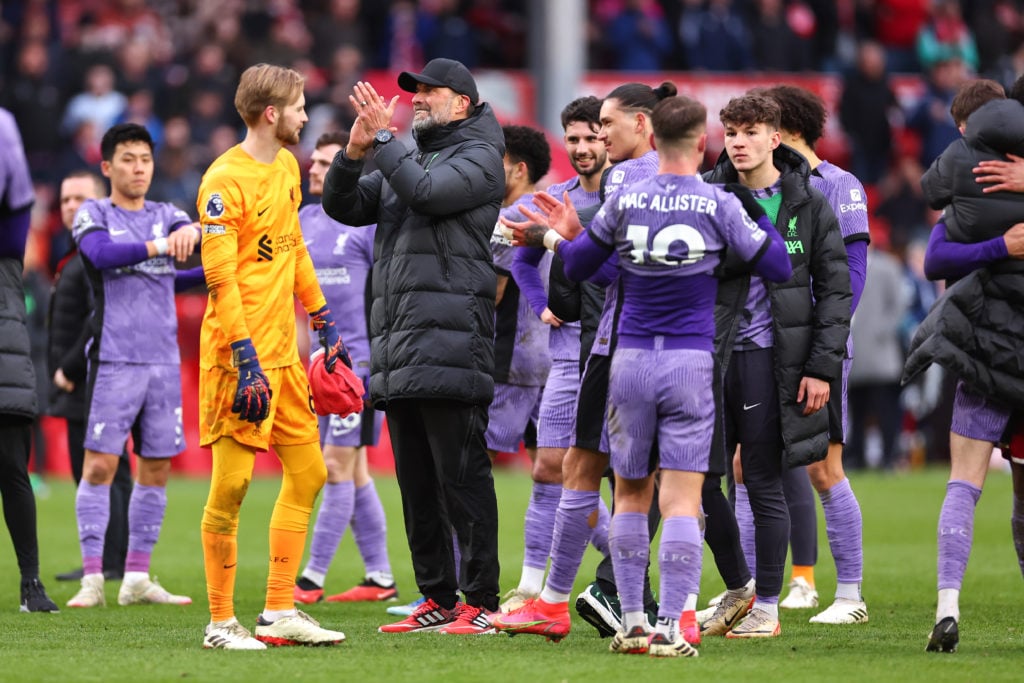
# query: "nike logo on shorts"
753,405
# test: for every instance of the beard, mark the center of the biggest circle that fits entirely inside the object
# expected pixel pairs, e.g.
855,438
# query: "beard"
286,136
596,168
432,119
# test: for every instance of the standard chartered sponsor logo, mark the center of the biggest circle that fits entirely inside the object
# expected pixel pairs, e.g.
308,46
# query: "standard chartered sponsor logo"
333,276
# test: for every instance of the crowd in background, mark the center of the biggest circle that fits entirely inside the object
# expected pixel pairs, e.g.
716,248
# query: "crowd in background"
69,69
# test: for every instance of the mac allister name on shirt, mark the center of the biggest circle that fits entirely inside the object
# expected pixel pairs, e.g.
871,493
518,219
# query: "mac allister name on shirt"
667,203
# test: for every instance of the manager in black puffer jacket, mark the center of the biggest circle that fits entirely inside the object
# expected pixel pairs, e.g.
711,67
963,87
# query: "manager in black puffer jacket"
432,316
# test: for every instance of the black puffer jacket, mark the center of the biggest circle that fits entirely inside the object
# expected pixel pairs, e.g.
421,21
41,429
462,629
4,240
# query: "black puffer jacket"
975,330
17,377
994,130
69,328
810,311
432,316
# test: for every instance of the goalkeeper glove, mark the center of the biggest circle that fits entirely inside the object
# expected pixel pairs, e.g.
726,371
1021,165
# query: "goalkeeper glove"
746,197
334,348
252,396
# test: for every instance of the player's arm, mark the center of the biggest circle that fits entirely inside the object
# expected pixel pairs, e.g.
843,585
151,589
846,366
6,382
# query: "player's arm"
849,202
188,278
524,271
321,319
102,252
349,196
219,251
584,256
458,183
1004,176
945,260
183,236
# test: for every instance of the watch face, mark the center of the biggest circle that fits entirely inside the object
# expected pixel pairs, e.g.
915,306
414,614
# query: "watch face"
383,136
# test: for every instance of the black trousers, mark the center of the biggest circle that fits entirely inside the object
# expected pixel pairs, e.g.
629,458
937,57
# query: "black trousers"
752,421
444,474
16,489
115,543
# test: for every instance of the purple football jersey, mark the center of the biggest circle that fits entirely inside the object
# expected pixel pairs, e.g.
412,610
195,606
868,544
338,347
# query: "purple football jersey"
138,321
755,328
530,361
621,175
343,258
669,232
15,182
846,196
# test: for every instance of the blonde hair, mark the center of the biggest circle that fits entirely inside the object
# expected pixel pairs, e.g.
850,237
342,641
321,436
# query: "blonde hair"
266,85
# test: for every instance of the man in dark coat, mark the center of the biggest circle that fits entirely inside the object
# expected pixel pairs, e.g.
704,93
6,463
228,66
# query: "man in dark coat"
18,401
432,323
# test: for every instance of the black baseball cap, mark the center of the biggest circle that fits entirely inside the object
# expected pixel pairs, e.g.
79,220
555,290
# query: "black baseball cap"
444,73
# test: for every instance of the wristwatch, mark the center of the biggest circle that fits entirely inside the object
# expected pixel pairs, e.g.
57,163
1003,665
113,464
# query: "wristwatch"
382,137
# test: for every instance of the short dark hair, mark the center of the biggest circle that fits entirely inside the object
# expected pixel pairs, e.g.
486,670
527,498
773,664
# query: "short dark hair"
678,118
641,96
121,134
528,145
972,95
334,137
802,111
583,109
751,108
97,180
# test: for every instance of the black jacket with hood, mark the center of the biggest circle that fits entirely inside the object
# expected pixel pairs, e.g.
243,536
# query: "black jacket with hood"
433,283
810,311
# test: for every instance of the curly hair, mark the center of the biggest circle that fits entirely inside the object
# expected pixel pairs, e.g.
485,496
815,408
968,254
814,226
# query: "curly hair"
528,145
802,111
750,109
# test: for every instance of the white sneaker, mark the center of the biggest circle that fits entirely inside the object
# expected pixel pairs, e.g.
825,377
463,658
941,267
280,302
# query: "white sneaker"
515,599
148,592
801,595
300,629
230,635
91,592
843,611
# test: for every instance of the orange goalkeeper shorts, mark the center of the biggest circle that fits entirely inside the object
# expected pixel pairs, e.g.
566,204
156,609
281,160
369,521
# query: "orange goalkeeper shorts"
291,421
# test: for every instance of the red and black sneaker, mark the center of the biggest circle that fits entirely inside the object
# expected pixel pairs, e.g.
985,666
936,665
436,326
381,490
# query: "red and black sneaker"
428,617
469,621
307,592
367,591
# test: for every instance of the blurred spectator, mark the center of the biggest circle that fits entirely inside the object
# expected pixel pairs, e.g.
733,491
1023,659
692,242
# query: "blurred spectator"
83,151
34,99
341,25
98,104
177,175
878,360
444,33
1001,27
714,38
776,44
901,204
401,48
945,37
897,23
136,69
931,119
637,37
865,106
139,109
501,34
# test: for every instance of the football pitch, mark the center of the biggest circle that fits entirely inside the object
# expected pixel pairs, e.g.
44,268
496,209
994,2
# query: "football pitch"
163,643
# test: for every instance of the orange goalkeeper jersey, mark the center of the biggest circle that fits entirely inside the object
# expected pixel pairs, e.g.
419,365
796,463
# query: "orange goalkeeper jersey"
254,258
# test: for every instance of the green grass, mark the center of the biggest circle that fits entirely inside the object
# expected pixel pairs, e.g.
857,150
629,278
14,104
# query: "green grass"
158,643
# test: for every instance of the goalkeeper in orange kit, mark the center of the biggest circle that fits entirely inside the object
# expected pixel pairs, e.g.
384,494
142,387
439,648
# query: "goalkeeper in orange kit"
253,389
